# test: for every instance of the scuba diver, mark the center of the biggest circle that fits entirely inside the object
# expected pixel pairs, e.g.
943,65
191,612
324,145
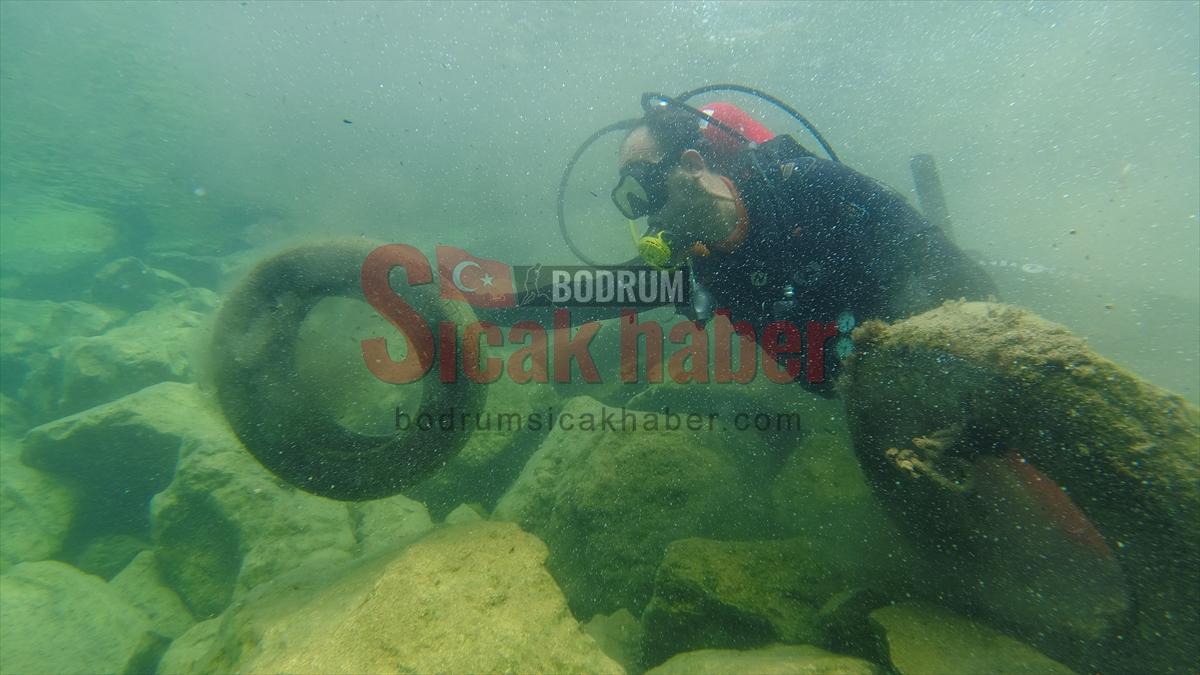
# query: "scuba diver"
774,233
770,233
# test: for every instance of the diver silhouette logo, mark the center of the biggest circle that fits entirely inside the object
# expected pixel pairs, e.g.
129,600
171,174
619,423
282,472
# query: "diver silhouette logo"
533,286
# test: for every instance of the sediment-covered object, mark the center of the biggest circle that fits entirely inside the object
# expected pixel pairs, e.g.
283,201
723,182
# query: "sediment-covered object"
942,403
284,417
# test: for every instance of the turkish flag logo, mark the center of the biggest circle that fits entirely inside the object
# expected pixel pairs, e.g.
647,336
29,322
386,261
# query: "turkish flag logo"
478,281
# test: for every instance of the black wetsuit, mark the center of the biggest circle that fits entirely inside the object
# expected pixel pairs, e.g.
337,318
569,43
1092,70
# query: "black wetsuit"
825,241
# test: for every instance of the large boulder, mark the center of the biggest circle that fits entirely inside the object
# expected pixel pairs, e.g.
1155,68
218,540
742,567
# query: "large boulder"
49,245
609,489
36,509
821,495
481,585
118,455
56,619
922,639
132,285
141,584
226,525
31,328
620,635
152,346
194,651
202,271
766,421
714,594
106,556
492,457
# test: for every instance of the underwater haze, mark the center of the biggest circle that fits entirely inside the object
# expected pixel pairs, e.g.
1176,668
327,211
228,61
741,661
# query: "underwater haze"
1066,133
152,153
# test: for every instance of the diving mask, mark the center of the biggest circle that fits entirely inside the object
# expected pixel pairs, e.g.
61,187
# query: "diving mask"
642,189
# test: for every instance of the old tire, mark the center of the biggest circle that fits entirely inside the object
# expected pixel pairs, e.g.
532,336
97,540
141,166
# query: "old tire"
280,415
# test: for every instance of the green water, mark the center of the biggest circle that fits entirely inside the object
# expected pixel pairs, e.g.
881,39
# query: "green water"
201,137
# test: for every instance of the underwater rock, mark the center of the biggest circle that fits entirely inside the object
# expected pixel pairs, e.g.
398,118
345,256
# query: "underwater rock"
132,286
32,327
388,523
919,639
194,652
120,454
620,636
142,586
492,457
481,584
725,594
13,418
150,347
607,501
773,660
199,270
13,415
791,412
56,619
224,525
47,246
821,494
35,508
844,621
977,421
107,555
465,513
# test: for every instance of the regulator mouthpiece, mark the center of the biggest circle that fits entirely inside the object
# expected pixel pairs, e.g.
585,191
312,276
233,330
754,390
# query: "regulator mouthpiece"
653,249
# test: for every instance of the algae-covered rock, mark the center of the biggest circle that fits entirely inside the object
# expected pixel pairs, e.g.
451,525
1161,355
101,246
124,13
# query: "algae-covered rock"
13,417
35,509
492,457
47,241
31,328
620,636
481,585
844,620
226,525
152,346
196,651
465,513
132,285
142,586
788,414
120,454
388,523
56,619
985,429
719,594
105,556
608,500
821,494
923,639
203,271
773,660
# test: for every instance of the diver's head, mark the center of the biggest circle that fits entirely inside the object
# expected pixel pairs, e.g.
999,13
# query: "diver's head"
664,176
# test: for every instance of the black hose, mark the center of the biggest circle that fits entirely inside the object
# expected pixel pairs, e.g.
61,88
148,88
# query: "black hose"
770,99
566,177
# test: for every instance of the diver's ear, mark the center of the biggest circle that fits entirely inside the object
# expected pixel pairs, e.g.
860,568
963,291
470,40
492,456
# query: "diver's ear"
692,162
